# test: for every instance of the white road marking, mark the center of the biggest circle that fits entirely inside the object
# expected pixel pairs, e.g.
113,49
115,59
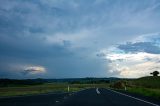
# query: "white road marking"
97,91
134,97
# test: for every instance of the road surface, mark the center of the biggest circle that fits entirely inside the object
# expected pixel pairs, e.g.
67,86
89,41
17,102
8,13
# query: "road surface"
88,97
35,100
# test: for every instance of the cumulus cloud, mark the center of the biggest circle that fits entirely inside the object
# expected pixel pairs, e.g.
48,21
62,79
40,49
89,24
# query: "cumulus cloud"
133,59
34,70
134,65
21,70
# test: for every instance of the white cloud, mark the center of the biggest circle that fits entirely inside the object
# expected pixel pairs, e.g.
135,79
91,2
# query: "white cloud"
34,70
132,64
26,69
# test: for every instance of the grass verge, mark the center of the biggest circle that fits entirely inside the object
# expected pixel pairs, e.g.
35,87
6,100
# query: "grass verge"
45,88
155,93
147,86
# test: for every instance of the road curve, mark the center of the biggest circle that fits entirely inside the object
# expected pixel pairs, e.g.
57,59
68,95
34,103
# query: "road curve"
87,97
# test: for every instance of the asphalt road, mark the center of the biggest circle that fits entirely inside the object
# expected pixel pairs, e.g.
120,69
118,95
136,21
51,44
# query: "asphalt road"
88,97
105,97
35,100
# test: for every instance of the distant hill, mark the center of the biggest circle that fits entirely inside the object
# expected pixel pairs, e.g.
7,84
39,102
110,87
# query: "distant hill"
18,82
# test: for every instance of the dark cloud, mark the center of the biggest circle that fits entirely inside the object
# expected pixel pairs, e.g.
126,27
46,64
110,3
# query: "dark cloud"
148,47
84,27
101,55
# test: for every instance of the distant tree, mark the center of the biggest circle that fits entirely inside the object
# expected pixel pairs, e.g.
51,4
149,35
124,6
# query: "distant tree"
155,73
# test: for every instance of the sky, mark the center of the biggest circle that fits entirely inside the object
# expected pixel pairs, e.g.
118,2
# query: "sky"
79,38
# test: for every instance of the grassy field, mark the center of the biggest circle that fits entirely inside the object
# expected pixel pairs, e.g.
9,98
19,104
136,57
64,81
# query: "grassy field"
148,86
45,88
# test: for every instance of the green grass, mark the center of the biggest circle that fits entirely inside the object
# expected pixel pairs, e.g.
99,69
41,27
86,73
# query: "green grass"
32,89
145,91
148,86
45,88
147,82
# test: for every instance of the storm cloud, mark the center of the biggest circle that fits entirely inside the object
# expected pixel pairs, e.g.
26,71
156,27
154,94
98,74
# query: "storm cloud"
148,47
72,38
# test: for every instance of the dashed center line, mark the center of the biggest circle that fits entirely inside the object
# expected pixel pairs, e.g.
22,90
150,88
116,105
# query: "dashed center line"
98,92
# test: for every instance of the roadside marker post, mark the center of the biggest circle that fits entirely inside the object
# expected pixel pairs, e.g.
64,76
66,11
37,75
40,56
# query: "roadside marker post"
125,88
68,88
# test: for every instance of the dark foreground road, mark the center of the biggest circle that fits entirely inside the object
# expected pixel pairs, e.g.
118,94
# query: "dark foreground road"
88,97
104,97
35,100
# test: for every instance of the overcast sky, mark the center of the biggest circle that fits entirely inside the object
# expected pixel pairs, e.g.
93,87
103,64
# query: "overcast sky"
79,38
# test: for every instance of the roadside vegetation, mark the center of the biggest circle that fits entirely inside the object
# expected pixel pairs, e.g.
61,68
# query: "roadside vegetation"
148,86
29,87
